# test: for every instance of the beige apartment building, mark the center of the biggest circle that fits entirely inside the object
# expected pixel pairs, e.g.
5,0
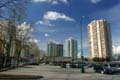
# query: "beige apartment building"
99,37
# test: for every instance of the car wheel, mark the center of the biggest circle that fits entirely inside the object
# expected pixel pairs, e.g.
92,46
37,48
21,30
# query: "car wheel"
102,72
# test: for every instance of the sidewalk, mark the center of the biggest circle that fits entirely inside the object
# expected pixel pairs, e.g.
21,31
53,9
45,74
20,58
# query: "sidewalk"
9,68
16,76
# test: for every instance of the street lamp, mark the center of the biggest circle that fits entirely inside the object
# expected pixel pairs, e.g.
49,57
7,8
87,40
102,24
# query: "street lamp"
82,57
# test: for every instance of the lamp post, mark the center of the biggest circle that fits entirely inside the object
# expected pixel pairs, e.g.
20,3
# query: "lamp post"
82,57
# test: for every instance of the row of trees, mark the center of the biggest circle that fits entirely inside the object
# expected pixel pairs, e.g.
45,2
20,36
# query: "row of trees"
96,59
12,29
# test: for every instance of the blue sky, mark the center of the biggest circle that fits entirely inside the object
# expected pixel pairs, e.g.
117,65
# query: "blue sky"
57,20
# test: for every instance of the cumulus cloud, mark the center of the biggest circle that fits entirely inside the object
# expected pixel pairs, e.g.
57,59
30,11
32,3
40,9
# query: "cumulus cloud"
52,15
52,1
34,40
24,26
95,1
24,30
44,22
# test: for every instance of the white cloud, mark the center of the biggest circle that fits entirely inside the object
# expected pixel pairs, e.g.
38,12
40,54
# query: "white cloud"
64,1
95,1
41,1
54,41
52,15
52,1
34,40
116,50
24,26
24,30
46,35
44,22
55,2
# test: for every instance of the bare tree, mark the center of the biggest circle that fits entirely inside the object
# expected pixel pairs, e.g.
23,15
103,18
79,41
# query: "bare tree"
7,36
23,35
12,13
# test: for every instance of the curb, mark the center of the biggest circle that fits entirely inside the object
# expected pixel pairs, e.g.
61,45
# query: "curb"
10,68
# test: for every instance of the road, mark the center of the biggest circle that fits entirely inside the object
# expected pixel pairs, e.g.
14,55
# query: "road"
57,73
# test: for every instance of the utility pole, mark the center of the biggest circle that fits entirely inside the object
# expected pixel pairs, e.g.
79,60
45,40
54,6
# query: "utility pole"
82,57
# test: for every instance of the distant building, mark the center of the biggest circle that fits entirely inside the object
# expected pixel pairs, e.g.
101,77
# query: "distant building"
116,52
54,50
51,49
71,48
59,50
99,36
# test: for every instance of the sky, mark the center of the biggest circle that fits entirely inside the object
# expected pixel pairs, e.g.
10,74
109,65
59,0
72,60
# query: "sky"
57,20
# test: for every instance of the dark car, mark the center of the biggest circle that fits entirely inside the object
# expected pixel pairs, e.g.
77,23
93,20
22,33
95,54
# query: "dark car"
77,65
73,65
107,68
33,63
63,65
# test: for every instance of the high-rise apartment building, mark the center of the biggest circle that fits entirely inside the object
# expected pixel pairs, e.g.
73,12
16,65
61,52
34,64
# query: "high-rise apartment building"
51,49
54,50
99,36
59,50
71,48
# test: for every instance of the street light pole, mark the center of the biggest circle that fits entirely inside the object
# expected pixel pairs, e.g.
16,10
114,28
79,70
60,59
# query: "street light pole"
82,57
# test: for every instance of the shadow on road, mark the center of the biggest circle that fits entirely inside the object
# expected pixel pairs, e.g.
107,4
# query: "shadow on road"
22,77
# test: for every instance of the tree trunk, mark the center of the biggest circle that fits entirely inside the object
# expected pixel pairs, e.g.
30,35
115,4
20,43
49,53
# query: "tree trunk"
18,58
8,48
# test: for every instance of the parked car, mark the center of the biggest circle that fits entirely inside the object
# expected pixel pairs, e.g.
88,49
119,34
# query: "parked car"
63,65
33,62
107,68
90,65
75,65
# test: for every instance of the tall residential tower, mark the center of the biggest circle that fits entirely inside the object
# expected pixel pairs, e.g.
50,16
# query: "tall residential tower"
71,48
99,36
54,50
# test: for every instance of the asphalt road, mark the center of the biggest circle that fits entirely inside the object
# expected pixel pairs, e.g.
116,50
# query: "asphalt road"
57,73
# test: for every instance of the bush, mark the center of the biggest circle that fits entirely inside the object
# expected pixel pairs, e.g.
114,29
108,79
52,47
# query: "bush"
96,59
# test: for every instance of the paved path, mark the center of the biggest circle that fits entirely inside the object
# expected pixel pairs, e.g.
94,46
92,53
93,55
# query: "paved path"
57,73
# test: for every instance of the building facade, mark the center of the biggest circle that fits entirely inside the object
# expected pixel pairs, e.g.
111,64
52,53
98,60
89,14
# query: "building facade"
54,50
71,48
51,49
99,36
59,50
